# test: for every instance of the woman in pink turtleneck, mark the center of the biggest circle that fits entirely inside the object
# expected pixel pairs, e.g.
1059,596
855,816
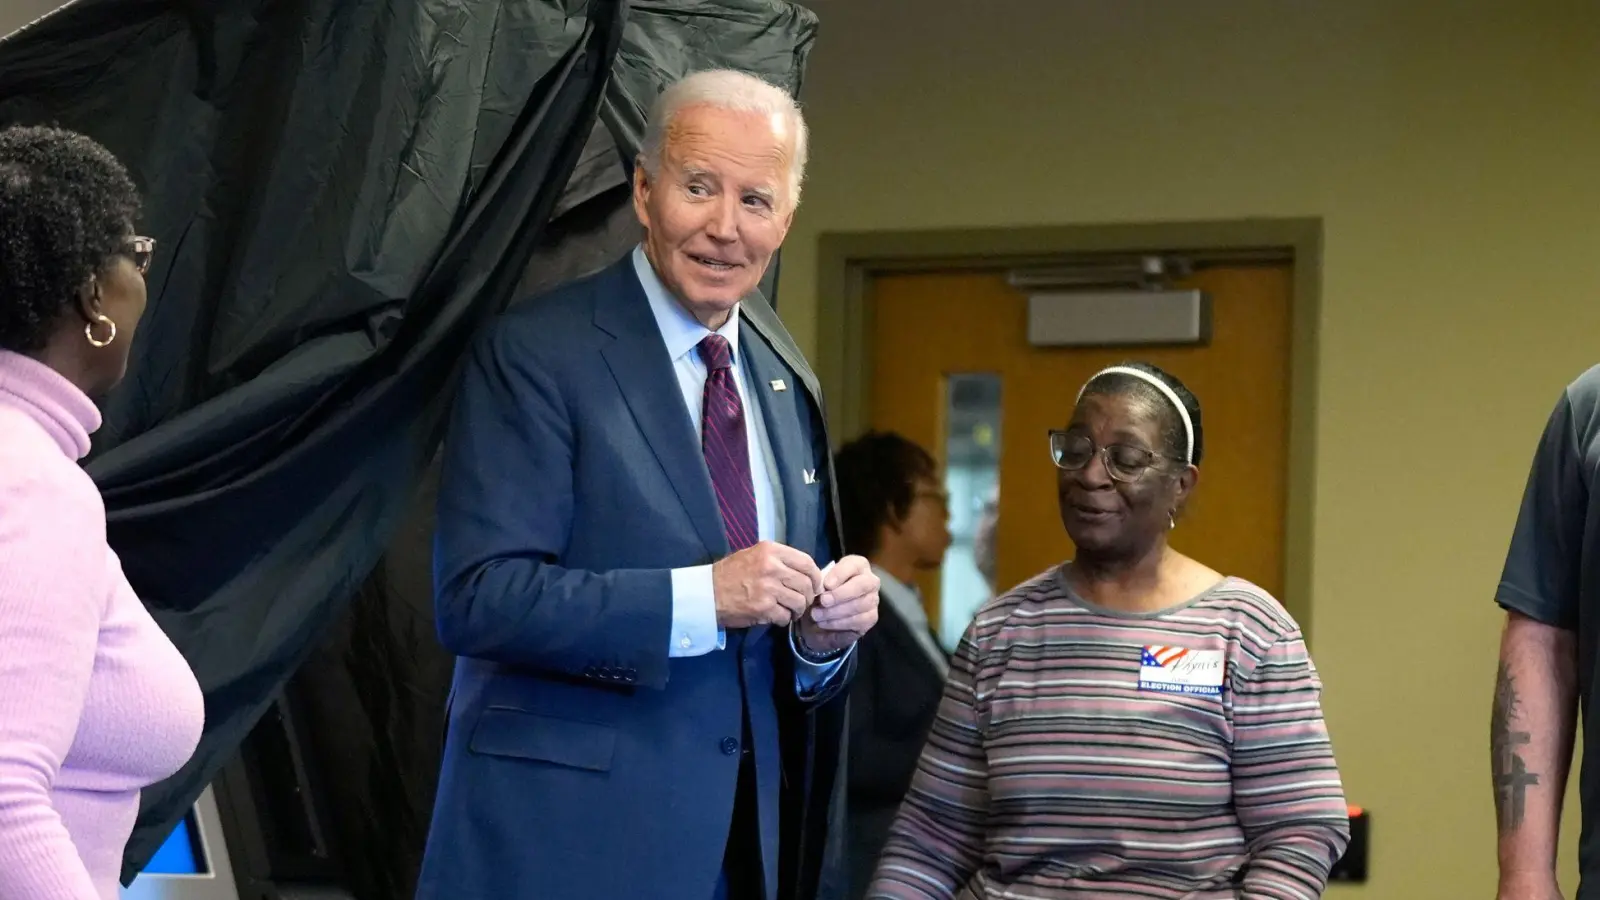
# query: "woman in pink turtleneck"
95,702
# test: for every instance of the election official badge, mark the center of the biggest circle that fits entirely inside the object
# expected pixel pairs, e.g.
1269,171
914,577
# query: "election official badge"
1180,670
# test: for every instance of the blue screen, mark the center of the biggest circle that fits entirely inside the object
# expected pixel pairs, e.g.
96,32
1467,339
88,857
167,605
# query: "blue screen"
180,855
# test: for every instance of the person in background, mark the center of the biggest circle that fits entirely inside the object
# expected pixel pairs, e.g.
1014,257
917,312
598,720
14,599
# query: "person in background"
1550,592
1130,723
638,563
985,552
896,514
95,702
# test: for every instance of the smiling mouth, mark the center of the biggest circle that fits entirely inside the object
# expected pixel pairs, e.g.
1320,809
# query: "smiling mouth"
713,263
1089,512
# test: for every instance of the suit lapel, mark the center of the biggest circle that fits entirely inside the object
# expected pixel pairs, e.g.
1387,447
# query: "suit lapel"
761,315
758,312
789,454
645,376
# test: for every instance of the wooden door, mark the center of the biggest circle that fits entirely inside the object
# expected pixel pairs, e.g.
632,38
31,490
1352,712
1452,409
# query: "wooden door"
930,328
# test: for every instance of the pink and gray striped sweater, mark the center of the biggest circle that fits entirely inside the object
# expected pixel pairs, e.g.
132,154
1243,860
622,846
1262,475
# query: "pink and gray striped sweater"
1082,752
95,702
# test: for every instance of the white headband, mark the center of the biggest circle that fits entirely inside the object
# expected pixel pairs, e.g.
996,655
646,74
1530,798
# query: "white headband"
1158,384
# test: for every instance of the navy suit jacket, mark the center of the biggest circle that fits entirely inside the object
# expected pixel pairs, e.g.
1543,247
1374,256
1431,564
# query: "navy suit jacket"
581,761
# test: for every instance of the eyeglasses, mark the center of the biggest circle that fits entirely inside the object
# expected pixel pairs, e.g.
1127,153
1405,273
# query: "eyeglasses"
1124,462
140,249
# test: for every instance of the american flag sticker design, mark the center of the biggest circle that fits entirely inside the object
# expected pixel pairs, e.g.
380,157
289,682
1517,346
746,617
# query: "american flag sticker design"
1180,670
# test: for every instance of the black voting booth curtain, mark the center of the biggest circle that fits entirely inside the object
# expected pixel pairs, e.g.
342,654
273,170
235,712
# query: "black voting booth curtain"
341,190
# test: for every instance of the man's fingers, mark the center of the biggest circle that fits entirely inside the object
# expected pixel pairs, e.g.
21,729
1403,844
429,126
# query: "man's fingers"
801,563
843,571
792,600
798,560
787,607
796,582
854,589
859,623
841,610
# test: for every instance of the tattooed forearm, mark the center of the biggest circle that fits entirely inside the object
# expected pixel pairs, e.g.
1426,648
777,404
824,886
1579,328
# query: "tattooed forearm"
1506,740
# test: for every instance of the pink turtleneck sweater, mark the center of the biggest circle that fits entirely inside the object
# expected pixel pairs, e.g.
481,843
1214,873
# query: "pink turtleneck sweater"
95,702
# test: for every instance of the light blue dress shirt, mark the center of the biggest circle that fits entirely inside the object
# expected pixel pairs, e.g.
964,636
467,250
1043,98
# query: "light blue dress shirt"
694,607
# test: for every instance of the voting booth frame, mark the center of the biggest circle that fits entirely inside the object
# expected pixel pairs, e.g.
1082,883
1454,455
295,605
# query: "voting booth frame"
258,832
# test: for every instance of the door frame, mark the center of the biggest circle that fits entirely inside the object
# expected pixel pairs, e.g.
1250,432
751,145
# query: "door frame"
847,261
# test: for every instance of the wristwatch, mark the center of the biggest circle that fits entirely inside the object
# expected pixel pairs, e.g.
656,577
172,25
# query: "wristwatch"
809,655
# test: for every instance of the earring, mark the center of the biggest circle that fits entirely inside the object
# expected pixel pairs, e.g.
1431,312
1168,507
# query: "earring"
1172,521
100,319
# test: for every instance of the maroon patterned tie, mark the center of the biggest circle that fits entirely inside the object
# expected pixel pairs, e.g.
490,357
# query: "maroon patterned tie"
722,439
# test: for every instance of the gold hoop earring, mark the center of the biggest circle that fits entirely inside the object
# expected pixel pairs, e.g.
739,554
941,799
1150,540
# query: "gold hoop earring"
100,318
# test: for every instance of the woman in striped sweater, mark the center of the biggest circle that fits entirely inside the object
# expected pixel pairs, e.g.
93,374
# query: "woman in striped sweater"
1131,723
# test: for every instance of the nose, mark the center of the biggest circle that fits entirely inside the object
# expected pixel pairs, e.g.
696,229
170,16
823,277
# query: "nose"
724,223
1094,473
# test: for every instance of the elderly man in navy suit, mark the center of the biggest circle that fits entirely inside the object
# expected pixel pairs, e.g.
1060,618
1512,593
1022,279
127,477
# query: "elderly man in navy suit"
638,559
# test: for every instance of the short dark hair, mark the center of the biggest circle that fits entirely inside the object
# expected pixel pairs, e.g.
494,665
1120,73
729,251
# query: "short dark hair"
66,208
877,475
1172,434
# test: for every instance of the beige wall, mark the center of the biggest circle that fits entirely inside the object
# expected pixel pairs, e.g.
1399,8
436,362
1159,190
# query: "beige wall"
1453,153
16,13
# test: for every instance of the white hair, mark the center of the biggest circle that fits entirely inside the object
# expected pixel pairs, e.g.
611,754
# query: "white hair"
730,90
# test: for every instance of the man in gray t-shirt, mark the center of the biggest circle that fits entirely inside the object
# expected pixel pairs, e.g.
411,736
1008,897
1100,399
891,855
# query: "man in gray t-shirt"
1550,589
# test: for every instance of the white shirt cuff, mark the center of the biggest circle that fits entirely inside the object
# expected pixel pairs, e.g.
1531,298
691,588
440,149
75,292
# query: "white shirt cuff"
694,614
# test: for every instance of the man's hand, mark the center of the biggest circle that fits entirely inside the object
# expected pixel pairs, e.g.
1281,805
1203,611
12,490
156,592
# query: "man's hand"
847,609
1541,886
767,584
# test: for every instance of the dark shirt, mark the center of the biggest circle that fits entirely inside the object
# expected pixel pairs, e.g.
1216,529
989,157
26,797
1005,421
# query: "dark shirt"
1552,570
